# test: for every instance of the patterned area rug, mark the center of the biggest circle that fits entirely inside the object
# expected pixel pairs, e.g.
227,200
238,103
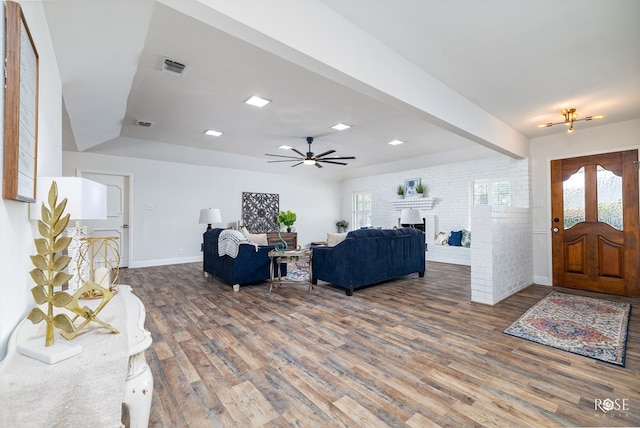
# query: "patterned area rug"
298,272
586,326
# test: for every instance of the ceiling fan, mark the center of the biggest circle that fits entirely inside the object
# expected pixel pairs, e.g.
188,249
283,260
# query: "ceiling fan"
310,158
570,116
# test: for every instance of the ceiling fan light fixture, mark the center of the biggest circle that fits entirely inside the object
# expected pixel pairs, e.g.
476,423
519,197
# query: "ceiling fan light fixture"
257,101
341,126
311,158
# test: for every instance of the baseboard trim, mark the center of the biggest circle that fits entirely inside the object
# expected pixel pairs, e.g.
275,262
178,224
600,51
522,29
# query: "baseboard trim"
162,262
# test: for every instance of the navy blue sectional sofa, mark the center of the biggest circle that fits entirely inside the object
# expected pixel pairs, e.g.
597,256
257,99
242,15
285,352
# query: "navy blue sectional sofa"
250,266
370,256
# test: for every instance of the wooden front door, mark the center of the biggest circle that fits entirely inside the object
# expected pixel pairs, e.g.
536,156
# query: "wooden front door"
595,234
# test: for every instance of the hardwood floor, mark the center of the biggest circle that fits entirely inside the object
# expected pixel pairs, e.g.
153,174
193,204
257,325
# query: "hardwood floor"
414,352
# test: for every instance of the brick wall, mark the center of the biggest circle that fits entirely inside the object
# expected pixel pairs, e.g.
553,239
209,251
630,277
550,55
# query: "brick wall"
450,184
503,263
502,255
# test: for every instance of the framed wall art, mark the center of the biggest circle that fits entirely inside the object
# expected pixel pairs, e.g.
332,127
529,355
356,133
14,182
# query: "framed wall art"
410,185
260,212
21,109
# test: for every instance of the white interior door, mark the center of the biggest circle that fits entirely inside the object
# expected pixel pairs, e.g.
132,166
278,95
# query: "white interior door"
117,222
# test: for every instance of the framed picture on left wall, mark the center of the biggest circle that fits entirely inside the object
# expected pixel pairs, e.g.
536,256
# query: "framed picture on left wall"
21,108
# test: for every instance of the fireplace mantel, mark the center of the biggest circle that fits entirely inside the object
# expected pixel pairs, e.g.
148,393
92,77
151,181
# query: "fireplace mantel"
417,203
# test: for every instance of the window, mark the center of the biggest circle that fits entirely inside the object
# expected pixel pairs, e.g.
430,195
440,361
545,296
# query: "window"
481,192
501,193
486,192
361,215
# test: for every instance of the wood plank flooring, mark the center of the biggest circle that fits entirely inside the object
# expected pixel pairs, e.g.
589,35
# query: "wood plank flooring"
414,352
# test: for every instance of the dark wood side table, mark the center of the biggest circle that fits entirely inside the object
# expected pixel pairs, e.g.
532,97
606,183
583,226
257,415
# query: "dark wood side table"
291,238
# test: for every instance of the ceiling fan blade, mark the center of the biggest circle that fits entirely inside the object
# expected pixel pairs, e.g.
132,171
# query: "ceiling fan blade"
282,156
338,158
309,156
328,152
328,161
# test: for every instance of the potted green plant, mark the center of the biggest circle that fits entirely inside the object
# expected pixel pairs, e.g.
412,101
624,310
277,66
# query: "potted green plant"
342,225
420,189
287,218
400,191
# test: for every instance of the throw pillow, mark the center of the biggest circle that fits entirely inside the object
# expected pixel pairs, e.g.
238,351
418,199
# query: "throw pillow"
455,239
334,239
466,238
442,239
256,238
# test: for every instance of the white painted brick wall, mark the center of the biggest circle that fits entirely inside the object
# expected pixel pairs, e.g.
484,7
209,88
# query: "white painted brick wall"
502,257
501,254
450,184
448,254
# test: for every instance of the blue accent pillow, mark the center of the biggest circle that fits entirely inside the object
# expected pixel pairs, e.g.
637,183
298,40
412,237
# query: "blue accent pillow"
455,239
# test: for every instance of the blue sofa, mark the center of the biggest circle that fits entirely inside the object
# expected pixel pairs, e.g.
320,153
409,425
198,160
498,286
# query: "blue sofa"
370,256
249,267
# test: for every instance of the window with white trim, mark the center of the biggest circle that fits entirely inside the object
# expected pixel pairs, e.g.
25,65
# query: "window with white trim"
489,192
361,209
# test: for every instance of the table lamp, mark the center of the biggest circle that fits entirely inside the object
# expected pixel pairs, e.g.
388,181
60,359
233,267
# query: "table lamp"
86,200
210,216
410,216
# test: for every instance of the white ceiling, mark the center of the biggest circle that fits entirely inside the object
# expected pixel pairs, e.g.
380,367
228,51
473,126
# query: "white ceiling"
519,61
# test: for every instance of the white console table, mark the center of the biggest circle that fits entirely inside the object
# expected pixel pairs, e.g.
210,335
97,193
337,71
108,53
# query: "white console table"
87,389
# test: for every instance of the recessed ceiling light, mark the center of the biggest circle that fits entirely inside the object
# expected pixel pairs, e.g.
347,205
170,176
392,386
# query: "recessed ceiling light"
341,126
395,142
285,147
213,133
257,101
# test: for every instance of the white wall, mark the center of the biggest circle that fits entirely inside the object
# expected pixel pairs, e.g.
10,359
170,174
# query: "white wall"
501,250
16,231
602,139
177,192
449,184
501,257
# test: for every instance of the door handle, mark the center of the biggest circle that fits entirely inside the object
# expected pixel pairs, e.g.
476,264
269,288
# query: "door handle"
555,230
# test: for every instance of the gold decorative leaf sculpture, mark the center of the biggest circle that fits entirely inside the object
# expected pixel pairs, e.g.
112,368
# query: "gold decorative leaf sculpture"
49,265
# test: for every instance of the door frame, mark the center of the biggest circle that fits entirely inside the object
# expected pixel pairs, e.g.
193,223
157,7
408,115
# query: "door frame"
549,214
128,201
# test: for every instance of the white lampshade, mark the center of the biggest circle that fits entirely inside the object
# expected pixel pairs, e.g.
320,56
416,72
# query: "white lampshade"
410,216
210,216
86,199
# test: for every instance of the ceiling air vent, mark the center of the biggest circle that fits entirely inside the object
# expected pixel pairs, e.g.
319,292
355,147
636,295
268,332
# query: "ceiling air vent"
144,124
172,67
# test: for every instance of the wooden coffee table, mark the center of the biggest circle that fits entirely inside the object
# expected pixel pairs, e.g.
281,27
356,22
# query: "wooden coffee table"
286,257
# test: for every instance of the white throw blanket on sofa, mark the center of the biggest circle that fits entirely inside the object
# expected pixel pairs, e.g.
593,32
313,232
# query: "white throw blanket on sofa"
229,243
